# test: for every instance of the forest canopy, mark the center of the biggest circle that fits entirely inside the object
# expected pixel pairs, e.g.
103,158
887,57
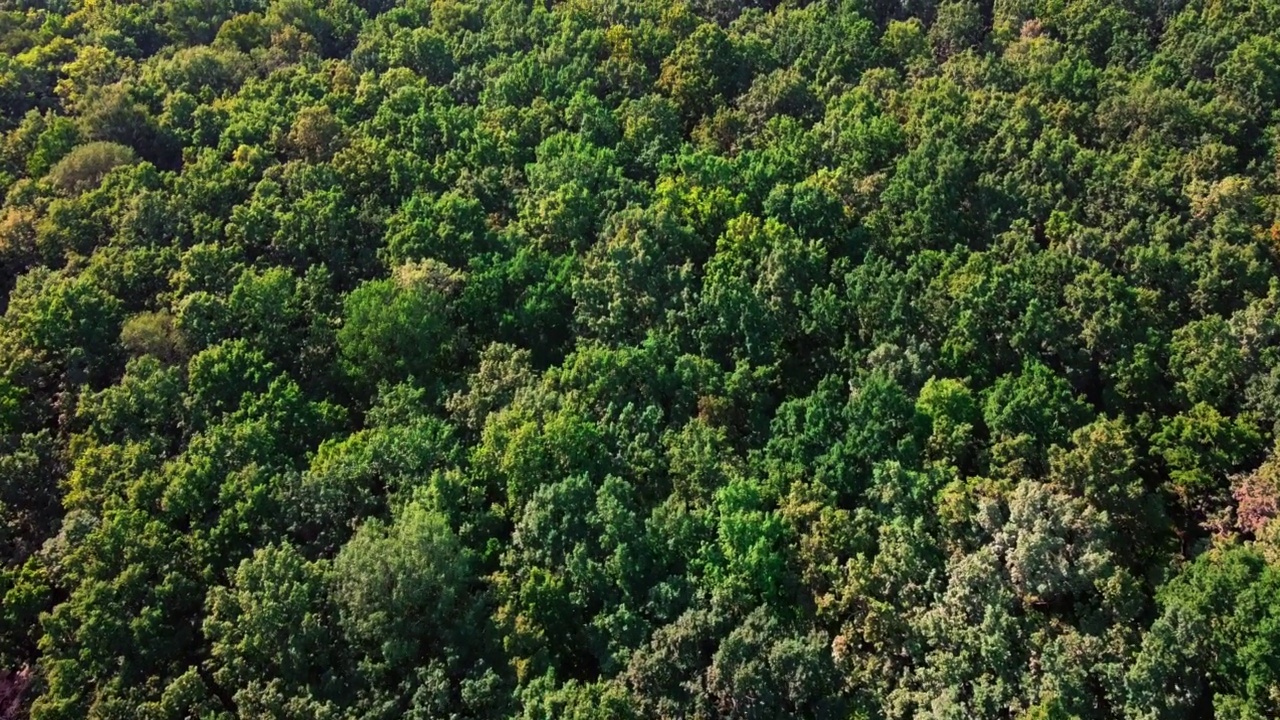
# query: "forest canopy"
542,359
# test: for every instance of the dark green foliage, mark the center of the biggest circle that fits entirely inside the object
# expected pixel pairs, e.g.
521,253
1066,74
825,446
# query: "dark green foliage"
399,329
593,359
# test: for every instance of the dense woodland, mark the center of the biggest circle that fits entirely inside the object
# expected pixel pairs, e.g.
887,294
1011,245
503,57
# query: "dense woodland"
607,359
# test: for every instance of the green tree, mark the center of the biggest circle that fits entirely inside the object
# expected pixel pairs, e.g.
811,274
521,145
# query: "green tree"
271,633
704,69
84,167
405,607
401,328
1201,446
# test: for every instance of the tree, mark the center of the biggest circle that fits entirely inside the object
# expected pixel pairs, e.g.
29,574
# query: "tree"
1207,362
954,415
1213,643
1200,447
761,671
638,274
449,228
146,405
28,497
704,69
270,632
112,116
57,139
153,334
61,328
754,296
399,328
1036,407
84,167
403,602
958,27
